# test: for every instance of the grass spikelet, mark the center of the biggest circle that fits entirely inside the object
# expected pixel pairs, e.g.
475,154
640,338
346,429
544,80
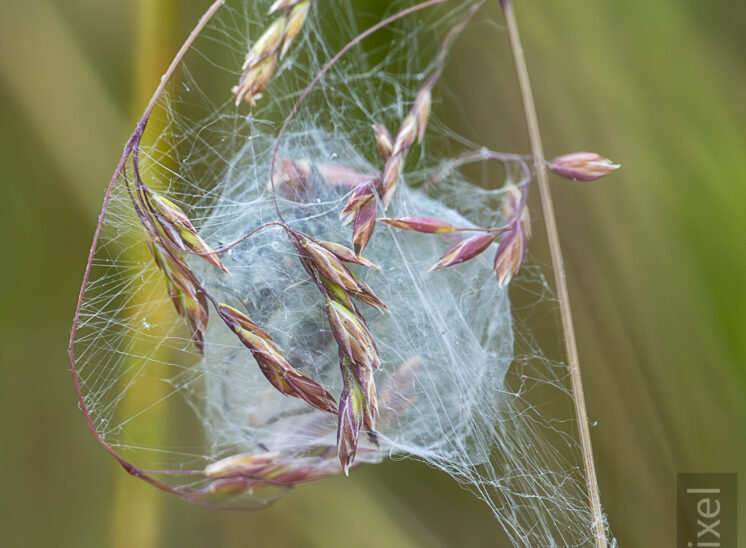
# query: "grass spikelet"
465,250
275,368
264,56
510,254
351,416
352,335
420,224
177,227
291,179
582,166
189,302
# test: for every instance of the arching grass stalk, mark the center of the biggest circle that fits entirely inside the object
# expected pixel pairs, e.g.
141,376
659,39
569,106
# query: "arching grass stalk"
132,143
599,528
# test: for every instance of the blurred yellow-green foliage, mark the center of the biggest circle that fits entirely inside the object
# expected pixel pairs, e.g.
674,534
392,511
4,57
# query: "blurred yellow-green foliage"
656,257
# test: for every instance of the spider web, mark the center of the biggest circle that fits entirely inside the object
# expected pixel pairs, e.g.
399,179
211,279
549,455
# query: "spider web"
463,386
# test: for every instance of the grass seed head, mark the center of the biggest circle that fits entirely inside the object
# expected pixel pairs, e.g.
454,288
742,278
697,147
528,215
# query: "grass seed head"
421,110
339,175
339,294
236,319
254,80
190,303
383,141
352,335
512,202
291,179
582,166
268,43
248,471
364,378
425,225
273,365
328,265
366,295
365,224
240,465
351,416
180,230
294,25
231,486
360,195
261,61
195,311
346,254
326,258
406,136
510,254
390,177
465,250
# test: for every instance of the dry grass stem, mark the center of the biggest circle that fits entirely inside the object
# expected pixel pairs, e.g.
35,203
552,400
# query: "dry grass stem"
594,497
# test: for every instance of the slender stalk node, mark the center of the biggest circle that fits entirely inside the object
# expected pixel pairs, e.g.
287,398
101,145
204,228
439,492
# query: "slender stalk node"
563,296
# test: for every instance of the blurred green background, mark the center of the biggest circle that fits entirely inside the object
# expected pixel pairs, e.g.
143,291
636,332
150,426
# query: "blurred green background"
656,257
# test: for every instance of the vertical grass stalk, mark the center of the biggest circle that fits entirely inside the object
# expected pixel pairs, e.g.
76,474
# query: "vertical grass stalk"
571,349
133,503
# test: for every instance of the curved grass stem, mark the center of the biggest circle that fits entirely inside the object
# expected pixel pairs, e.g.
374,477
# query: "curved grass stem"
599,527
